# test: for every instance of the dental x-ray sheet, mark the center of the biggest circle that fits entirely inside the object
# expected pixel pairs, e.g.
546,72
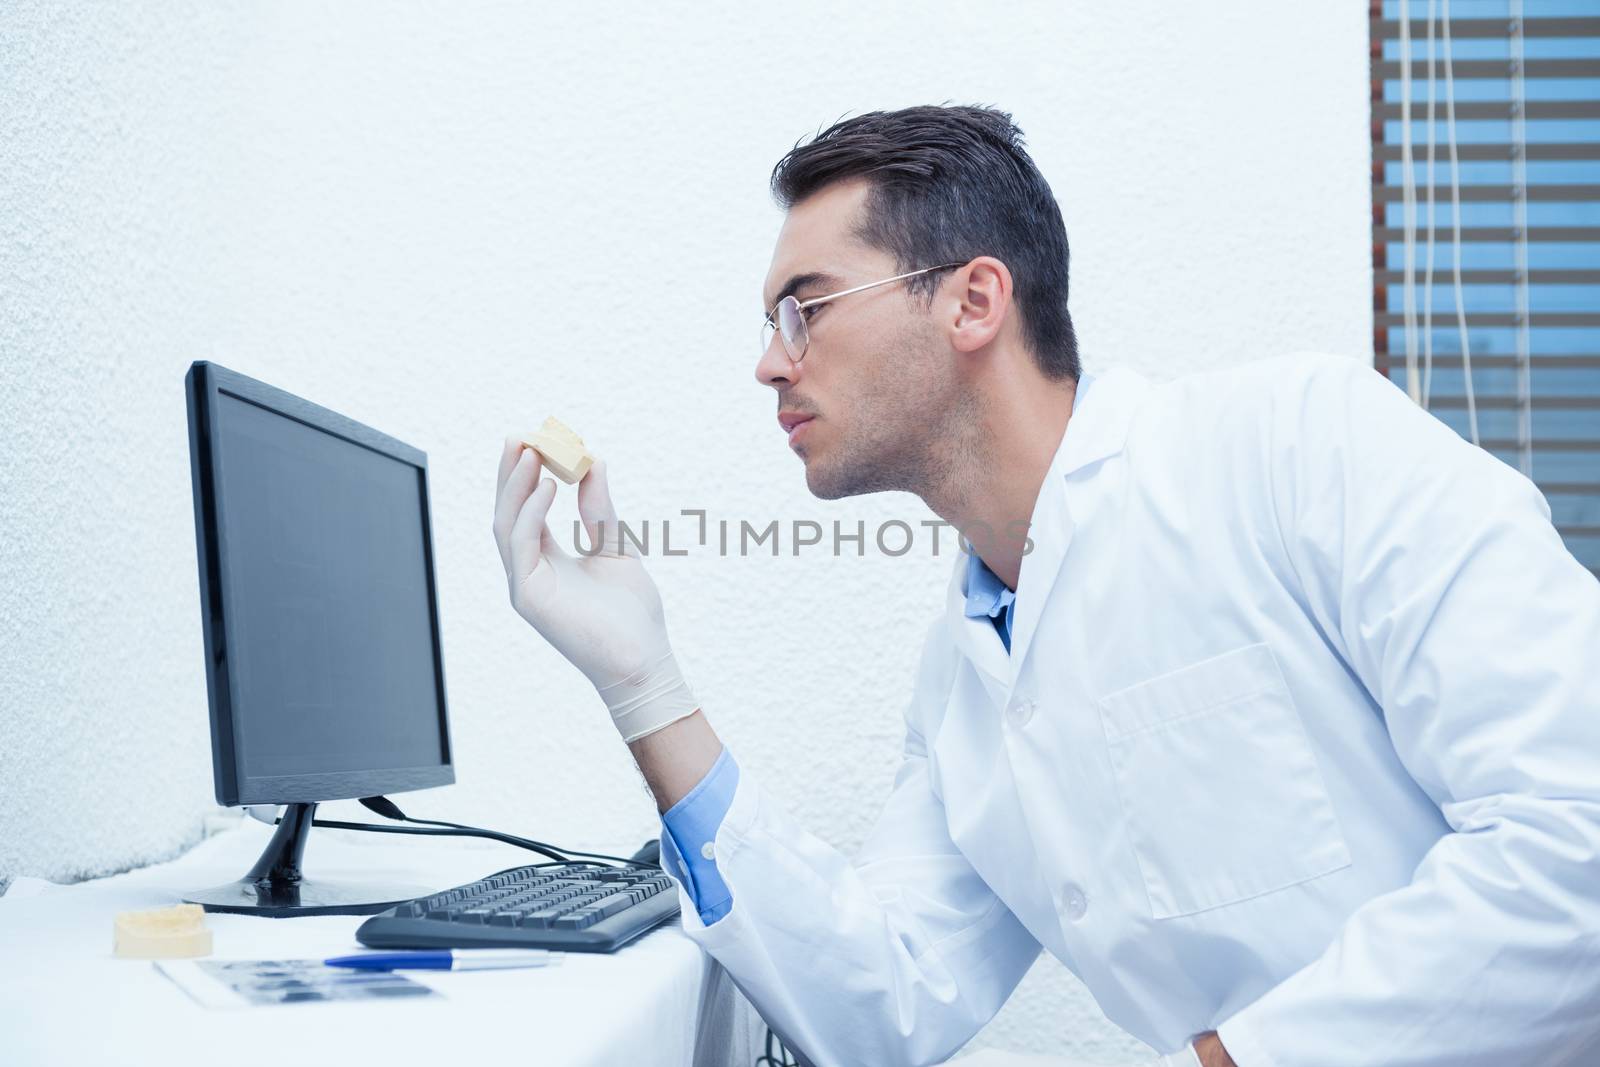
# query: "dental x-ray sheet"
253,983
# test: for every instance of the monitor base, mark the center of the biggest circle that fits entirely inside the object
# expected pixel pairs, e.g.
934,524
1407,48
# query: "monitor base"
308,897
275,888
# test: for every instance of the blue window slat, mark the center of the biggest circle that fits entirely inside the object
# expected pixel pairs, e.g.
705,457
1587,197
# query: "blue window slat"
1483,172
1502,340
1448,380
1490,213
1554,464
1498,48
1585,547
1484,9
1484,89
1483,255
1550,427
1548,298
1490,131
1574,509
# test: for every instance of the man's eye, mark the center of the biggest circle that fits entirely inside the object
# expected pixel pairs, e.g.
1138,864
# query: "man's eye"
810,312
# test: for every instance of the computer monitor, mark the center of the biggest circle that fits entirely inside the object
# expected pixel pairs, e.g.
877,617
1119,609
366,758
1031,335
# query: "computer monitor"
320,612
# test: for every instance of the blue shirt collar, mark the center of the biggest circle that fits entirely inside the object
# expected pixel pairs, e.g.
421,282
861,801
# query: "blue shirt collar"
987,595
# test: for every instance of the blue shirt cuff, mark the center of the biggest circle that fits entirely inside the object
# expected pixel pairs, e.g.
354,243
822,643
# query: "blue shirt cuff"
692,825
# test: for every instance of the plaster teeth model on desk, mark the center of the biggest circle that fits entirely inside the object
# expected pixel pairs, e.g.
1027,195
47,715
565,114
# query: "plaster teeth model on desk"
162,933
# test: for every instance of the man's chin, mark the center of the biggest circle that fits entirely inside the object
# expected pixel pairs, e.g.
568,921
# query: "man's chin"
823,481
831,481
823,489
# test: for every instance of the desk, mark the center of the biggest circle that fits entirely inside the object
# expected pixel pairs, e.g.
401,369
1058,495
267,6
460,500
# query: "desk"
64,999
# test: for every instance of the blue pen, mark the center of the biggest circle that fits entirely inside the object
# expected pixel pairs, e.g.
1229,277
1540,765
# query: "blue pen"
471,959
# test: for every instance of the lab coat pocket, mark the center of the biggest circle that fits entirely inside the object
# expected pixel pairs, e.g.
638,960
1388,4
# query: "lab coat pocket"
1223,797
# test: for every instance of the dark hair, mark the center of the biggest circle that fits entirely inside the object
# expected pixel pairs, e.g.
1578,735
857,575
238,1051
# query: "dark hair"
951,183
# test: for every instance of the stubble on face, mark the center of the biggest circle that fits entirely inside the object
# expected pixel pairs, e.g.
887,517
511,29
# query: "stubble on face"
910,424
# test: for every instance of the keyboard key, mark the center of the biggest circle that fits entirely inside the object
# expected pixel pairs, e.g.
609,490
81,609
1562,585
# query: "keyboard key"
540,919
611,905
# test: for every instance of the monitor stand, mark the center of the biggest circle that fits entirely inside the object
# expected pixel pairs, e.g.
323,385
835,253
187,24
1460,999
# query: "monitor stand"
275,888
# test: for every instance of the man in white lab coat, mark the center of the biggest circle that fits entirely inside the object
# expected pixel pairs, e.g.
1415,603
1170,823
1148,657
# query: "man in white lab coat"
1265,703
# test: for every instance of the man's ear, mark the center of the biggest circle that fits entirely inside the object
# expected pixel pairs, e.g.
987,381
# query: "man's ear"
978,304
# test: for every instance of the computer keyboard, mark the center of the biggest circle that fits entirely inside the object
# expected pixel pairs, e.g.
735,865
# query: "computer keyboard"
578,907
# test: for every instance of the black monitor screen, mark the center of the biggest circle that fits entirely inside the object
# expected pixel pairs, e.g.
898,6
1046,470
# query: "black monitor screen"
330,622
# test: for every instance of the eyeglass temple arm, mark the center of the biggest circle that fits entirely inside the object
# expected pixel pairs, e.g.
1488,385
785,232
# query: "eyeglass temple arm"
872,285
814,301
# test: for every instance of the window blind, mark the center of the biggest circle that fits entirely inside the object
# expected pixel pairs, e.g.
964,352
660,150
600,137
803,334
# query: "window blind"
1486,232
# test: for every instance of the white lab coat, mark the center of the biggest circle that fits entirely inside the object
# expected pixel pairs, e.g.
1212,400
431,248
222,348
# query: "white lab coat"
1298,739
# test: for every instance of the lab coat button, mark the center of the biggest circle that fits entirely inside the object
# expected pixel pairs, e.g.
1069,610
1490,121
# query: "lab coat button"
1021,712
708,851
1073,902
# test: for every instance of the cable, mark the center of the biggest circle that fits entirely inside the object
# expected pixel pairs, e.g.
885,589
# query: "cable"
533,846
1519,237
383,806
782,1058
1408,195
390,810
1427,282
1455,223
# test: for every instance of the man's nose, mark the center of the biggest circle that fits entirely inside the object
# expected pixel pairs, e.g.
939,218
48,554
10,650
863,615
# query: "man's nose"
775,368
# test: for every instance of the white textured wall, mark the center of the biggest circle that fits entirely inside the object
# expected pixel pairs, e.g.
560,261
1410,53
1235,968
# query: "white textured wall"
451,220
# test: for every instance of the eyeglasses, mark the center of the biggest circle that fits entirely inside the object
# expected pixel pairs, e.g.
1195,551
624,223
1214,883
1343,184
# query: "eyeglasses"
789,317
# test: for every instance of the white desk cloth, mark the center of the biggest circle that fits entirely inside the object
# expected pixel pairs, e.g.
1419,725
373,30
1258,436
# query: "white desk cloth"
65,999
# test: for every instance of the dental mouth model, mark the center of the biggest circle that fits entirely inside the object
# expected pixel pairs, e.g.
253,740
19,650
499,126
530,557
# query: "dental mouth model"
161,933
563,451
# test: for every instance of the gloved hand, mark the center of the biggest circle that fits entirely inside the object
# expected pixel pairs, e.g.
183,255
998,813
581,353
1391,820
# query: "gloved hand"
601,611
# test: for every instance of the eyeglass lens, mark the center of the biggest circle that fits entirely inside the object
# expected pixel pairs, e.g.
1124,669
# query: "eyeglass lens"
792,324
788,321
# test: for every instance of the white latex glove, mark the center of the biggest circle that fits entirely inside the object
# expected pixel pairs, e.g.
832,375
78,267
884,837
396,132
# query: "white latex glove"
602,611
996,1058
